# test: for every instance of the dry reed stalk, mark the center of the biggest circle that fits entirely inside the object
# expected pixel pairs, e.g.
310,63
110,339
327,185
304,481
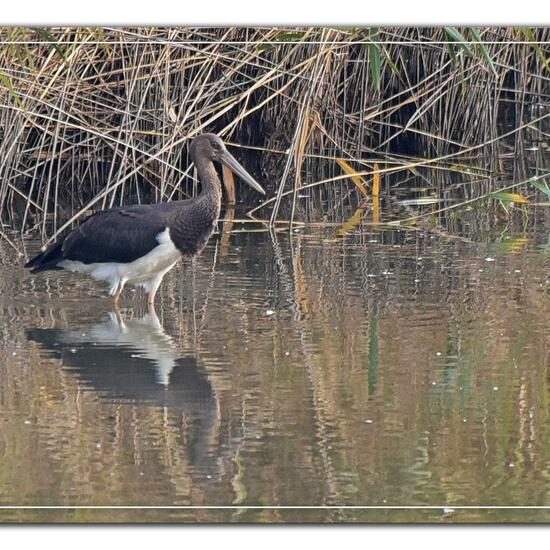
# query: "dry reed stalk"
93,117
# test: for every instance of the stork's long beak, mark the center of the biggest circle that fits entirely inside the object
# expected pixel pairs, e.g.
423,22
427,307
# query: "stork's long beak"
231,162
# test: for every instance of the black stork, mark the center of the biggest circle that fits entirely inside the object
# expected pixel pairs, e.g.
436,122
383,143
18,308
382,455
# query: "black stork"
140,244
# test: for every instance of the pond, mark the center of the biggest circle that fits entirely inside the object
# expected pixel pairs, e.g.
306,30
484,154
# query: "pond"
387,374
367,342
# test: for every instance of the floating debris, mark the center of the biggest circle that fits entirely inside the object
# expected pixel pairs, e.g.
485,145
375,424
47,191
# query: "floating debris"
420,201
269,312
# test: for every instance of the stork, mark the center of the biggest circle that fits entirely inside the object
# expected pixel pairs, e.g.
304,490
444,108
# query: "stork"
139,244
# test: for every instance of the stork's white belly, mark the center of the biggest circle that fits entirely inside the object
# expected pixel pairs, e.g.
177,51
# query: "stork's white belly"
146,271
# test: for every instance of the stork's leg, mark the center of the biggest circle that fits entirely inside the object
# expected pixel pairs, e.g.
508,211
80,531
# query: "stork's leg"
116,295
118,317
153,286
153,313
151,295
118,291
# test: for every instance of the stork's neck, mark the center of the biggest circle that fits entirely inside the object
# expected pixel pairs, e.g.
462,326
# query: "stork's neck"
210,182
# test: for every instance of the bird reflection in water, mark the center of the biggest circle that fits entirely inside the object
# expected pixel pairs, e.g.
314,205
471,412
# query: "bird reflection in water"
135,361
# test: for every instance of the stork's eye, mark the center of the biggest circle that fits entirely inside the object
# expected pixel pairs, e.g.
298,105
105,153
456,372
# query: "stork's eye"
216,145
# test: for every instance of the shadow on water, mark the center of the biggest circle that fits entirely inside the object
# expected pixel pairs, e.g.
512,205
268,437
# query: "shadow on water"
133,361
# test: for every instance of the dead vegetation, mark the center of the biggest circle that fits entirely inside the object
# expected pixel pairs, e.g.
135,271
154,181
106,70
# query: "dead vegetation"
96,117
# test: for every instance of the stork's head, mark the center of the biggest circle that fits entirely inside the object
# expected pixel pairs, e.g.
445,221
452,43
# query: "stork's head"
212,148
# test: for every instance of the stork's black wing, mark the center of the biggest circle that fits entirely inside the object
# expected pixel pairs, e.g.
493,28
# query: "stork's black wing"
116,235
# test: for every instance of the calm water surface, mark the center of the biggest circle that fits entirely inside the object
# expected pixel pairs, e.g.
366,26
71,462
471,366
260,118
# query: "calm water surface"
380,368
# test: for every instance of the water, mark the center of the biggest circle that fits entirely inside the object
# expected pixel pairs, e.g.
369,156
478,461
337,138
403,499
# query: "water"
386,367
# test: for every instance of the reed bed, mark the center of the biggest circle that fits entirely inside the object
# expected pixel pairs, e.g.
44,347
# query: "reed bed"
96,117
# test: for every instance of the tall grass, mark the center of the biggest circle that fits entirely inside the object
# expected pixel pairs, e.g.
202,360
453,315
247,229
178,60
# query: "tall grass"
95,117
